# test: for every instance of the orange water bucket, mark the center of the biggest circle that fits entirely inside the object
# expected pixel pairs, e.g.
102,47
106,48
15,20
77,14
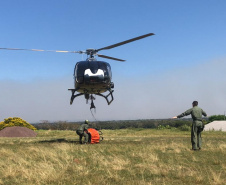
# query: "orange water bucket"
94,135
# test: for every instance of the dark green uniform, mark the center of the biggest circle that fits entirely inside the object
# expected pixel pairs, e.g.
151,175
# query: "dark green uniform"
197,125
81,131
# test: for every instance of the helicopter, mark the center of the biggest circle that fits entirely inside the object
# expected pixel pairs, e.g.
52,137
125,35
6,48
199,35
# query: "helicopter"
92,77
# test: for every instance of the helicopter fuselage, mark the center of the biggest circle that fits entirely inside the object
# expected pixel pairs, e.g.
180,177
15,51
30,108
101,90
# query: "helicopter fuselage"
92,77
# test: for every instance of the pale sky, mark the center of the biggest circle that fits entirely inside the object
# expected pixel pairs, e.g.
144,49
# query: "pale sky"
184,61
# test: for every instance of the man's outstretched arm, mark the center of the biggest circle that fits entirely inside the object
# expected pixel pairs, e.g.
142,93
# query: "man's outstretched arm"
186,113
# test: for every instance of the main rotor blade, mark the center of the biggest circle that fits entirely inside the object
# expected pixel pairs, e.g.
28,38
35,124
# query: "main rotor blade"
59,51
126,41
112,58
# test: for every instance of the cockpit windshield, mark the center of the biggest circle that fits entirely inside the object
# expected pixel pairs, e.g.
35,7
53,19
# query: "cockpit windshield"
81,67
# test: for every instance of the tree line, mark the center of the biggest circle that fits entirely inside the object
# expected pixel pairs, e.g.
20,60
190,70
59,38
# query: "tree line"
183,124
115,124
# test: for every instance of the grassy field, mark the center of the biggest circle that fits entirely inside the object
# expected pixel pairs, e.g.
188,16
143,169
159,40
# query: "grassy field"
129,156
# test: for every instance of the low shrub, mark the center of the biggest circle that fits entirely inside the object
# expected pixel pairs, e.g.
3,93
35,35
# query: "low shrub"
161,127
15,121
185,128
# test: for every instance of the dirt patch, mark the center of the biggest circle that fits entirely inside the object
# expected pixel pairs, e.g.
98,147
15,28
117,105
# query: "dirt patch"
17,132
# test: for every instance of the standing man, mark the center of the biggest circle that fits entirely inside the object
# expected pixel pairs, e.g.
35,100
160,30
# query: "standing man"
197,125
82,131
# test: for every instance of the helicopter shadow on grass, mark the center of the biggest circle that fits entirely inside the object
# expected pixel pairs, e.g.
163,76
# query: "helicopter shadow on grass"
59,140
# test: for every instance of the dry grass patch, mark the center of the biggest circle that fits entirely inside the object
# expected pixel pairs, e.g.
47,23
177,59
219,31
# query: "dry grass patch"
127,156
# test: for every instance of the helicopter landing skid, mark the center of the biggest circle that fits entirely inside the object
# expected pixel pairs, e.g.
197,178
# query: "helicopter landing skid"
73,96
106,97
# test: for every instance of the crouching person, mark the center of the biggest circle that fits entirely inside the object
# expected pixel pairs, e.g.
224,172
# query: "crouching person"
82,131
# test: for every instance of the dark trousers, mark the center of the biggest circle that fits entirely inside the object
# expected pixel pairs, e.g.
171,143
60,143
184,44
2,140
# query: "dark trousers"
81,134
196,139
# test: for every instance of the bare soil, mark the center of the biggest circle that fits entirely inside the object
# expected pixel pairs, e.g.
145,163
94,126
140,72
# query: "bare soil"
17,132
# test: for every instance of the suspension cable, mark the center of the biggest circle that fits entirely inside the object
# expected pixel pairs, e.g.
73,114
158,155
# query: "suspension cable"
97,121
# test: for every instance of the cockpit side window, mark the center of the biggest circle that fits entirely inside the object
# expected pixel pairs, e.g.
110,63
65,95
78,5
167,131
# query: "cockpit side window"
75,71
79,71
109,71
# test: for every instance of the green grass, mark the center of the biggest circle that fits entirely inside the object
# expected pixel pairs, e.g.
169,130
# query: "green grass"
128,156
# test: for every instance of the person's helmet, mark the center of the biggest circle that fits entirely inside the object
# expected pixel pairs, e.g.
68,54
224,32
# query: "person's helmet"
86,121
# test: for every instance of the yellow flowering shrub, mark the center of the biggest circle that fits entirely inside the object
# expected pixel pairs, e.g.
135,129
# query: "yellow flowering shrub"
15,121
